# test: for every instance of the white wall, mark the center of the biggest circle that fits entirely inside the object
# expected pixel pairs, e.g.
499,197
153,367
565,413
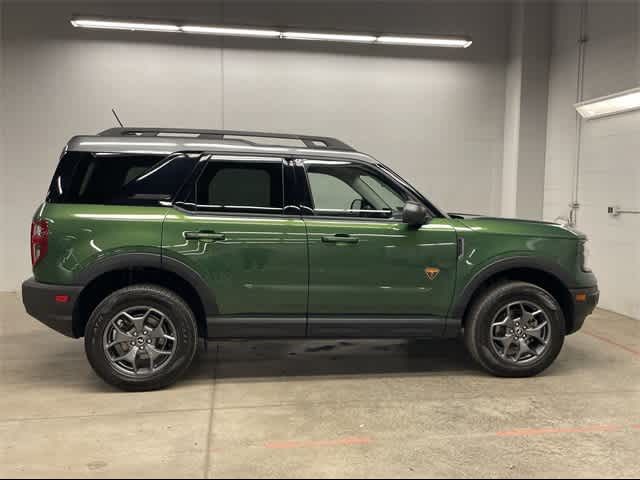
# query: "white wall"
526,110
435,115
3,163
512,113
609,172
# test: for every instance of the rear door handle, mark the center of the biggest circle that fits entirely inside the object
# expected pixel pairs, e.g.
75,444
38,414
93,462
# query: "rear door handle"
203,235
340,238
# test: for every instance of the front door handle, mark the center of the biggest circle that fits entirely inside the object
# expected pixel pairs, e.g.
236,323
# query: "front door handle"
204,235
340,238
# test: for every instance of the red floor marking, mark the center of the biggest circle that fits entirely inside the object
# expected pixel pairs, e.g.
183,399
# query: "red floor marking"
611,342
544,431
318,443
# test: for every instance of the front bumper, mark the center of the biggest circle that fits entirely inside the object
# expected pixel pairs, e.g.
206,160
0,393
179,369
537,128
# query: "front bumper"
584,302
43,302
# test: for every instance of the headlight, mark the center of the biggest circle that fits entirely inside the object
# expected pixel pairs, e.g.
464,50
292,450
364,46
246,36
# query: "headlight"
585,256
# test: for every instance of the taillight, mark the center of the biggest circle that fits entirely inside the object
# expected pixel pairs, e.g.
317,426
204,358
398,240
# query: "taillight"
39,240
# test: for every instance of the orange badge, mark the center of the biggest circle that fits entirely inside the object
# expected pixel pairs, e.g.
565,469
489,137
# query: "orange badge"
431,272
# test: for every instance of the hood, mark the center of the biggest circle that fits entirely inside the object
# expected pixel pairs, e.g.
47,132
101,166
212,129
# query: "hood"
517,226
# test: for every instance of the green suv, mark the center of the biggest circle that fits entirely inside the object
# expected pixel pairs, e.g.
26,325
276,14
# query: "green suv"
150,239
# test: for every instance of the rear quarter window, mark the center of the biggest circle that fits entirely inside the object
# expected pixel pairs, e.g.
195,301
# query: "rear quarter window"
117,179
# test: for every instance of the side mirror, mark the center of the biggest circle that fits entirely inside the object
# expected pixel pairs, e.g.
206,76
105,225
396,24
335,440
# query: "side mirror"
414,214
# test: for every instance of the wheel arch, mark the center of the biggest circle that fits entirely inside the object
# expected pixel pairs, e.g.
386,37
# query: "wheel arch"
540,272
112,273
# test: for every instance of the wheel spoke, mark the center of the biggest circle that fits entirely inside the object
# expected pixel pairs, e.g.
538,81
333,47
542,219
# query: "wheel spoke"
133,361
507,322
152,356
151,311
506,342
538,332
130,356
157,352
523,349
138,322
158,331
120,337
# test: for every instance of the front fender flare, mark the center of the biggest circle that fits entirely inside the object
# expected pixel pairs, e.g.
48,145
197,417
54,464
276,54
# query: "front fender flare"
503,265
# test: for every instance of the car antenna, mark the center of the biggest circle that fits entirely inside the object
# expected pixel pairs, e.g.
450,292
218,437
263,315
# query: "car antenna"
113,110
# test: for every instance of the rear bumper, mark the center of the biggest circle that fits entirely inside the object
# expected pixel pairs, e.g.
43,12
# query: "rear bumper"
584,302
40,302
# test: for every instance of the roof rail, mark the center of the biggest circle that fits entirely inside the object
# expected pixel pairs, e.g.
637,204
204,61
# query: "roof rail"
310,141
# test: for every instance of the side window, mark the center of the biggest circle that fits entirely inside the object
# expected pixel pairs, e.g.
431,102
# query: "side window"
349,189
240,186
386,193
118,179
331,192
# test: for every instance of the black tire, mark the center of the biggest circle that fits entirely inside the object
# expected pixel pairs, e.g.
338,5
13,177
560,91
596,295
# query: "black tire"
479,321
152,296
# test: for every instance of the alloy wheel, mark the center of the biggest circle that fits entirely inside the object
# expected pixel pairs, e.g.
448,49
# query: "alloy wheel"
520,332
140,341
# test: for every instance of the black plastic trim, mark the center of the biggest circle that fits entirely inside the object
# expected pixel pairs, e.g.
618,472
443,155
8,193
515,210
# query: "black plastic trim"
39,301
581,310
361,326
503,265
271,326
151,260
259,326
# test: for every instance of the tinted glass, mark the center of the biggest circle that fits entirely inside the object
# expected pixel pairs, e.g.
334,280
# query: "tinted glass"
344,188
330,192
117,179
388,195
240,186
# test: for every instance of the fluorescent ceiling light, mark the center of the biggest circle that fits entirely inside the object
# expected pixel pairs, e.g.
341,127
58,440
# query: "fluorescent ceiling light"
232,31
330,37
625,101
240,31
425,41
124,25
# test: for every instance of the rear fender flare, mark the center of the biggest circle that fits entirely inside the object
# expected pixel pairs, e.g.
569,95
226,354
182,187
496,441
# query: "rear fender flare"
126,261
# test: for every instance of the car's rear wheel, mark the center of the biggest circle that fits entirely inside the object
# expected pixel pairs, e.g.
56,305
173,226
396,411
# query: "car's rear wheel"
515,329
142,337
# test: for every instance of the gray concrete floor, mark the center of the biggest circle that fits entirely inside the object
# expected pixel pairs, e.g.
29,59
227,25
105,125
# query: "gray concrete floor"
322,409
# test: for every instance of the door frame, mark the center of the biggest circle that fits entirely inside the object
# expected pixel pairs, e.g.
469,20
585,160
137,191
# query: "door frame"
361,326
220,326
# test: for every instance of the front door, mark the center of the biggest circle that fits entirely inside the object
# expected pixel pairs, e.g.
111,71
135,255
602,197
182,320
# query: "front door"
236,231
369,273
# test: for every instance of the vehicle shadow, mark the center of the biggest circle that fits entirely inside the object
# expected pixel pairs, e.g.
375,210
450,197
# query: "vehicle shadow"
256,360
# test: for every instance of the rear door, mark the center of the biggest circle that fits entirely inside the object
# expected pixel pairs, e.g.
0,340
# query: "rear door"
235,228
370,274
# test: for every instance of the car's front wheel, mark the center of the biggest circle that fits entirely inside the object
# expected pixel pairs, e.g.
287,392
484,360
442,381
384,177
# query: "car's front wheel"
142,337
515,329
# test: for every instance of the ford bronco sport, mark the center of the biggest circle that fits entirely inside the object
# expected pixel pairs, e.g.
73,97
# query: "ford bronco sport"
150,239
